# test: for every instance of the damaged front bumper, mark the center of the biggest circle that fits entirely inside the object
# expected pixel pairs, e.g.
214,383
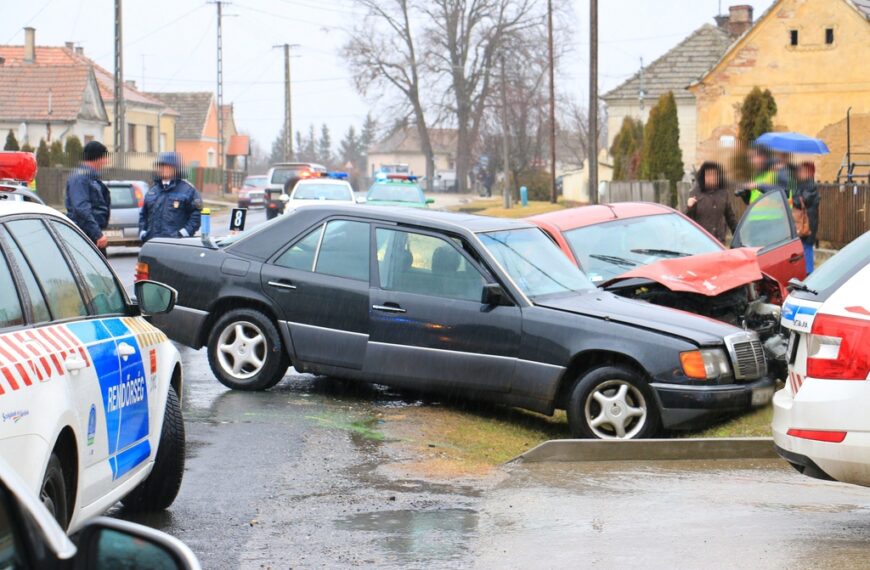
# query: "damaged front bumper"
689,407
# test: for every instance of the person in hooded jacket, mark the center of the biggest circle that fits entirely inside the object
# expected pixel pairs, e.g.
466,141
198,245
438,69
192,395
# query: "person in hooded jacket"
87,199
172,205
709,204
807,196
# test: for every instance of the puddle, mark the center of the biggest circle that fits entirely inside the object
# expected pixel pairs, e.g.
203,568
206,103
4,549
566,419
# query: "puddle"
418,535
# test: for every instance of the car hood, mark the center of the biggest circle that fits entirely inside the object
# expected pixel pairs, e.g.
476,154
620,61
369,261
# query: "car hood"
673,322
709,274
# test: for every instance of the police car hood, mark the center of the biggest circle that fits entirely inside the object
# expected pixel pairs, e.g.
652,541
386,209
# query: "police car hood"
708,274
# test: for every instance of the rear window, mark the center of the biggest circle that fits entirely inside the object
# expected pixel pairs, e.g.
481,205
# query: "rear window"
254,181
283,174
395,193
837,270
317,191
123,196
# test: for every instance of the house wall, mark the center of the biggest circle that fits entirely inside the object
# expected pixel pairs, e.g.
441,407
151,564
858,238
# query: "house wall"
687,116
202,151
143,117
813,83
416,161
59,131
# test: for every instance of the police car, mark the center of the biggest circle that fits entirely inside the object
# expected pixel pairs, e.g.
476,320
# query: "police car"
330,187
89,391
820,420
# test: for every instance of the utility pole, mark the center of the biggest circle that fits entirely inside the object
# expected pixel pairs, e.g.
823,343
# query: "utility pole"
119,85
220,95
288,106
505,143
593,101
553,197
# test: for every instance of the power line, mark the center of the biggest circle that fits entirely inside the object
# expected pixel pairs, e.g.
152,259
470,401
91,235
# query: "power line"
33,17
157,29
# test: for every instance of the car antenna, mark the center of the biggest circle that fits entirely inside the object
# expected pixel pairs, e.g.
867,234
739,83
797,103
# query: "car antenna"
612,211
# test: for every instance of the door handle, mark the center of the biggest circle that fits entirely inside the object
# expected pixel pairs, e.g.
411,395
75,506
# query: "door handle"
281,285
74,363
390,308
125,350
795,257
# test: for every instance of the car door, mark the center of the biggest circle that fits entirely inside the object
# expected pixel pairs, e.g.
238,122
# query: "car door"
429,328
768,224
321,283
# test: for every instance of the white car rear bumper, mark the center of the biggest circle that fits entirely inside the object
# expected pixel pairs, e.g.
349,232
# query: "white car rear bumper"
826,405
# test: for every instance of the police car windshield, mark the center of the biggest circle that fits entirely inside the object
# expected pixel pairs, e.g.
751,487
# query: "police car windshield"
318,191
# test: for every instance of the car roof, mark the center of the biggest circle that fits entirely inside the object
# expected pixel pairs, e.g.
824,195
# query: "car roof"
286,164
427,218
13,208
583,216
333,181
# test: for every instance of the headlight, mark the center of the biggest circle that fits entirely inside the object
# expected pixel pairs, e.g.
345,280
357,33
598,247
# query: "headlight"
705,364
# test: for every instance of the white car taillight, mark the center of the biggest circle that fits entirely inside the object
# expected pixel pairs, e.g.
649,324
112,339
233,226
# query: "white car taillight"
839,348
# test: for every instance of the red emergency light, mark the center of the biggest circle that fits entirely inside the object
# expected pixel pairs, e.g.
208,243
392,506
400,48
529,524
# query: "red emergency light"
408,177
19,166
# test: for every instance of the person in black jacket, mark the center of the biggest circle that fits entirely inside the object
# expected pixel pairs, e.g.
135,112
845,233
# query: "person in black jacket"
807,195
709,203
87,199
172,206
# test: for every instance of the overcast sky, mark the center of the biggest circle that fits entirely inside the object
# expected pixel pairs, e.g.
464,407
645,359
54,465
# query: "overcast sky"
170,45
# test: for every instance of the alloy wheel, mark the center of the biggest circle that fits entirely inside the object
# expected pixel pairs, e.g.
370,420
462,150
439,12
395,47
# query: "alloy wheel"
616,409
241,350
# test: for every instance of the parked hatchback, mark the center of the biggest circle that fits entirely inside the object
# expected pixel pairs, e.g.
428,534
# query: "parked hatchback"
127,197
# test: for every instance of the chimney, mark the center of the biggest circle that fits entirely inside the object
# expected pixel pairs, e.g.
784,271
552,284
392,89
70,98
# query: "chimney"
69,45
130,83
739,19
80,50
29,45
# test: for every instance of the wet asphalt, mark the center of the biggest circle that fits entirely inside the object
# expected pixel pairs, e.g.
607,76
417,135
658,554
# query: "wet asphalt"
299,477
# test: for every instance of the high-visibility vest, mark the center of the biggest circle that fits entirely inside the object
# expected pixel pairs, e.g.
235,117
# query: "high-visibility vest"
767,178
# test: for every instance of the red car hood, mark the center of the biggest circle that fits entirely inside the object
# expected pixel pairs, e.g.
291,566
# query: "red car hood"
708,274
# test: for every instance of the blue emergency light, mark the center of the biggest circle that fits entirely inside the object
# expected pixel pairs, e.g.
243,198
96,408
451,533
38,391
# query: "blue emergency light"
337,175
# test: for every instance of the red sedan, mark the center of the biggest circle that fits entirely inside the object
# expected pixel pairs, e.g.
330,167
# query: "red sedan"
653,252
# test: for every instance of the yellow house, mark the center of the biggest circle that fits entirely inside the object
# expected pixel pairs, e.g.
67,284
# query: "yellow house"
814,57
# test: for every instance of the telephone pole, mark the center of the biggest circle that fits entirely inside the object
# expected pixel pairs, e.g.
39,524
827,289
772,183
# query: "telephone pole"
505,143
220,95
119,85
553,197
593,101
288,106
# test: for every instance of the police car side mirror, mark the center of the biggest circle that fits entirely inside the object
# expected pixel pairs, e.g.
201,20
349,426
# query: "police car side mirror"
155,298
110,543
284,198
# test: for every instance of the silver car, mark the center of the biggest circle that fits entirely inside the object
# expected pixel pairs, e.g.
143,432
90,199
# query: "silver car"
127,197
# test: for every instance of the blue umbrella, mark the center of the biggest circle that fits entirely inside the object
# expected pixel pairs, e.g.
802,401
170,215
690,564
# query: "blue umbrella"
793,142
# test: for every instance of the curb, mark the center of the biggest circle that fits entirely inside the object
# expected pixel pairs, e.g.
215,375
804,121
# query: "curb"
566,450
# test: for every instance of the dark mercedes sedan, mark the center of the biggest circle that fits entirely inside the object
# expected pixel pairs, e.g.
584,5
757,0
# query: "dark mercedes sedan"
470,306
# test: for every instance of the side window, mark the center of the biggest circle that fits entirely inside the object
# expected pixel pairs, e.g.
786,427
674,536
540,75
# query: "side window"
50,267
344,251
427,265
37,300
11,314
301,254
767,222
101,284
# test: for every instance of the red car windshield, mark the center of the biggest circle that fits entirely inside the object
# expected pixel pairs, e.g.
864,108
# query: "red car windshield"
608,250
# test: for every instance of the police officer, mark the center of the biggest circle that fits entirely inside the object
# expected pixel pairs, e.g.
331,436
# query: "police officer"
172,205
87,199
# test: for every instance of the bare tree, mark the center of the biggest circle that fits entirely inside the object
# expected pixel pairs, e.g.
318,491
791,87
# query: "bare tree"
383,52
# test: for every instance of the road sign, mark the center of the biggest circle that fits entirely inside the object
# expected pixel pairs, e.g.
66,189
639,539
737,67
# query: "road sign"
237,219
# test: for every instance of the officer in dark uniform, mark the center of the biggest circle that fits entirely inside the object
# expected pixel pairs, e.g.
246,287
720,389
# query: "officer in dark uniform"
87,199
172,205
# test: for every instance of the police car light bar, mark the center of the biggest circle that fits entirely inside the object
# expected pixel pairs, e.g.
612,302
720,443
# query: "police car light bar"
19,166
408,177
336,175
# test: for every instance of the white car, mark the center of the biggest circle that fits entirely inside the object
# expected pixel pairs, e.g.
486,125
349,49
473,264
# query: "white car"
318,191
89,390
820,421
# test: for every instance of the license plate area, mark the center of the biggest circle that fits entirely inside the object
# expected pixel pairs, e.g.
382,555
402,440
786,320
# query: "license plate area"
113,234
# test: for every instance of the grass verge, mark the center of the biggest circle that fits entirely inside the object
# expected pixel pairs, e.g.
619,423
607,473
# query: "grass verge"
494,208
754,424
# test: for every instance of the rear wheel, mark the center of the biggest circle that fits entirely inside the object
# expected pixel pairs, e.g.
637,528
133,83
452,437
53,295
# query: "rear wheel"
245,351
53,492
159,490
612,402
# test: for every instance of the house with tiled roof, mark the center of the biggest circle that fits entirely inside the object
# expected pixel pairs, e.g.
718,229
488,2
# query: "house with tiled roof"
813,57
403,146
675,71
149,124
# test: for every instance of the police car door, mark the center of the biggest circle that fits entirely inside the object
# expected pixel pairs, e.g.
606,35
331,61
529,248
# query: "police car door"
114,348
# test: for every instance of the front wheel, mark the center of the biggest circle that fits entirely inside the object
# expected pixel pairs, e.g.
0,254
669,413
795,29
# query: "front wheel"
612,402
245,351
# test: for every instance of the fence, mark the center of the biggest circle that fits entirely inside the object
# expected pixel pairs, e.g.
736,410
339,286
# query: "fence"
657,191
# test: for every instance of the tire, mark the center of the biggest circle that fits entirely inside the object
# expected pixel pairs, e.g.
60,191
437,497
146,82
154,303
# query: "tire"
631,411
159,490
53,493
235,365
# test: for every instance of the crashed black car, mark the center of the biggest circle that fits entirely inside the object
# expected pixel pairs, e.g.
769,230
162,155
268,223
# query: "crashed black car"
470,306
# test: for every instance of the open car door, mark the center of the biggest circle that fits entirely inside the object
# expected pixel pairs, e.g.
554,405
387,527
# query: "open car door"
768,224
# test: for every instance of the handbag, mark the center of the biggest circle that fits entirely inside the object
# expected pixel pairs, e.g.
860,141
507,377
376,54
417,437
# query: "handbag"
801,219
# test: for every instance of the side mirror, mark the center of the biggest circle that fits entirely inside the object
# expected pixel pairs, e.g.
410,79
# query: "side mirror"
494,295
284,198
106,543
361,200
155,298
430,200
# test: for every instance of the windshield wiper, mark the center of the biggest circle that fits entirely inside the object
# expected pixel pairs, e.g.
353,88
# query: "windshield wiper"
613,259
669,252
796,284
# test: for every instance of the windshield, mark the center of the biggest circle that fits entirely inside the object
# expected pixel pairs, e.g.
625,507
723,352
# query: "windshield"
395,193
837,270
123,196
255,181
283,174
534,262
317,191
612,248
